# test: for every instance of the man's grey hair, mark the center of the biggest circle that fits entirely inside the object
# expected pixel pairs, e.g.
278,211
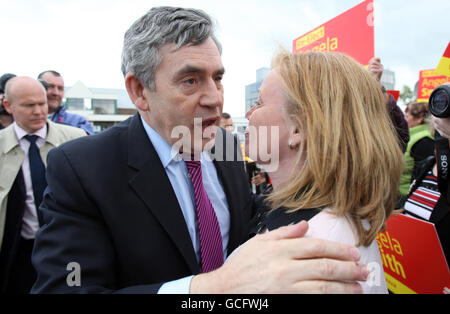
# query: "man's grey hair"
160,26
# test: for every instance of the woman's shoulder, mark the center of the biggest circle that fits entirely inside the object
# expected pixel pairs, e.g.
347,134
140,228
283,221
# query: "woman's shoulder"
326,225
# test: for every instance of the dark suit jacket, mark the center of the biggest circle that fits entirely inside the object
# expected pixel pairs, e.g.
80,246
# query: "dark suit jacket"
13,226
110,207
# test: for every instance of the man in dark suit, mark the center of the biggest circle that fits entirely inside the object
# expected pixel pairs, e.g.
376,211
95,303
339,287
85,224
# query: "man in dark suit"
123,213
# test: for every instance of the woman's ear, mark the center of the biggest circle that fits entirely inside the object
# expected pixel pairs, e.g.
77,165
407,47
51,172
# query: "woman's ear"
136,90
295,137
422,119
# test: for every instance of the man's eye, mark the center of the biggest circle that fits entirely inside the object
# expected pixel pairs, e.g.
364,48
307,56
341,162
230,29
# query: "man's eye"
190,81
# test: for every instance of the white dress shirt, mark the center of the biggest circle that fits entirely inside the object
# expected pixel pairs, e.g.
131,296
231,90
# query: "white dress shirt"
30,223
178,175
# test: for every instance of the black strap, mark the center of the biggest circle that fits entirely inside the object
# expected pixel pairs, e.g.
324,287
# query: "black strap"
442,159
424,166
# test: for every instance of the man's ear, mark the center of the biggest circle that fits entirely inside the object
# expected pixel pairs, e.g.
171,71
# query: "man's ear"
135,90
7,106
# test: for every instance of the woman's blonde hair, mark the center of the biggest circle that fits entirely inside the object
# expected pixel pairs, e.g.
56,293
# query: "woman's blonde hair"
350,156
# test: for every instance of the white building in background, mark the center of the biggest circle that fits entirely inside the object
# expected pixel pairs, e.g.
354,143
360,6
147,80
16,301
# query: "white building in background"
251,90
388,79
103,107
240,125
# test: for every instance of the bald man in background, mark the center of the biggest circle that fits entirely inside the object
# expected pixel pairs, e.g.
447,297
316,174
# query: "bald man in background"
24,146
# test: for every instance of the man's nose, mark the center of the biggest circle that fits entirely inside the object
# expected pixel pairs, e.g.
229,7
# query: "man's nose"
212,95
52,90
37,109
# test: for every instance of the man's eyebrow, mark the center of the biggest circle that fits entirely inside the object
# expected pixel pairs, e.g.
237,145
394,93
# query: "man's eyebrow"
193,69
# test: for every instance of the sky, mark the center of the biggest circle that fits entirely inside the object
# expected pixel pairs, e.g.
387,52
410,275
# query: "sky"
82,39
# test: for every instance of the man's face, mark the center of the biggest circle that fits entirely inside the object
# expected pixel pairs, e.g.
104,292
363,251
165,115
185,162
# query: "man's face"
28,105
188,86
55,90
227,124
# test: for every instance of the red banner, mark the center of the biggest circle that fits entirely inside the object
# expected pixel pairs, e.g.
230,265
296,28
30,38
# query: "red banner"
351,32
444,64
394,93
412,256
428,81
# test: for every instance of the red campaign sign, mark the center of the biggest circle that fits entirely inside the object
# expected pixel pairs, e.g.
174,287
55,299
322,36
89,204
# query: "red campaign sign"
444,64
428,81
351,32
412,256
394,93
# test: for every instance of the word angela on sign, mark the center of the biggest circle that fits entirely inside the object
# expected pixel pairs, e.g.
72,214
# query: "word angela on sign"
328,45
385,242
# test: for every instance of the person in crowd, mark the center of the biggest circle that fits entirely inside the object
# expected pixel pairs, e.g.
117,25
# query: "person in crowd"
5,118
395,113
262,182
24,146
420,145
429,199
55,95
257,178
339,161
136,218
226,122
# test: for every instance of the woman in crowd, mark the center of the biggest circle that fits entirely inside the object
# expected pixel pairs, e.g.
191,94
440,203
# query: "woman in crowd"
339,162
420,145
426,199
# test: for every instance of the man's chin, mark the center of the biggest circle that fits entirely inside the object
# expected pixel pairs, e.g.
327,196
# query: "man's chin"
32,127
52,106
208,143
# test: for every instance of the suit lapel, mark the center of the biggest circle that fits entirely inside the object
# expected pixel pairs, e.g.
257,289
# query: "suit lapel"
235,223
226,160
150,182
11,160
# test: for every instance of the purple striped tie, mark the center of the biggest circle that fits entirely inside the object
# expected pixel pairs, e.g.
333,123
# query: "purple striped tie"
209,230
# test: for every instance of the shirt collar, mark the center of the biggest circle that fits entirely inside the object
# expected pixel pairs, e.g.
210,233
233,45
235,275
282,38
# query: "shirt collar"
165,152
42,133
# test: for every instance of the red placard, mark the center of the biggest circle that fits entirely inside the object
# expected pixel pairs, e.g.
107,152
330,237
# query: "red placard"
444,64
428,81
351,32
394,93
412,256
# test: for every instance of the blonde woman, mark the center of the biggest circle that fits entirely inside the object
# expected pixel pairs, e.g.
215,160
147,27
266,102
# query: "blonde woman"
339,162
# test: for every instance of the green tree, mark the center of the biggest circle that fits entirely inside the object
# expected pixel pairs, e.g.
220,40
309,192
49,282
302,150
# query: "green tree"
406,95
